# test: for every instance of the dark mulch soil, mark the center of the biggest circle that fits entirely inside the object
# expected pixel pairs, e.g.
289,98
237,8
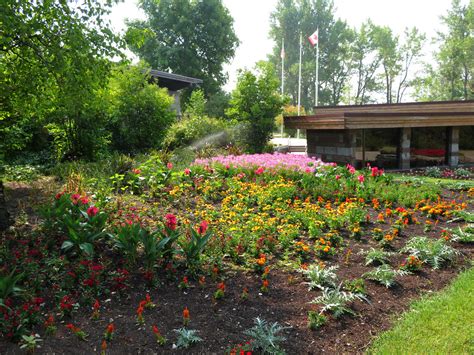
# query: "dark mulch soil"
221,323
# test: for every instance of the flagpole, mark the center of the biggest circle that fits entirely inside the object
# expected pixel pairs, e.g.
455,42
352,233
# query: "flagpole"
299,83
282,79
317,73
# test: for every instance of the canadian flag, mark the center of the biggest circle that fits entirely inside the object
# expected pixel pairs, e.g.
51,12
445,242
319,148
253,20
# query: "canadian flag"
314,38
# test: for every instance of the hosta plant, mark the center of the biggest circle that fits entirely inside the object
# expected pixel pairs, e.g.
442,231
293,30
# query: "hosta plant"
385,275
377,257
265,336
337,302
186,338
320,277
433,252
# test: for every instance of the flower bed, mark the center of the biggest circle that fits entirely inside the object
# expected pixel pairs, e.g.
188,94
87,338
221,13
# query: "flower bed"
172,259
266,161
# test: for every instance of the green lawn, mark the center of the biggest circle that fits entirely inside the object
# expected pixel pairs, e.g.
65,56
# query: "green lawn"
445,183
440,324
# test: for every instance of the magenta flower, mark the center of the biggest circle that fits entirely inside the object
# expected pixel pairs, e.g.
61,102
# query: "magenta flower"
92,211
361,178
259,171
169,165
171,221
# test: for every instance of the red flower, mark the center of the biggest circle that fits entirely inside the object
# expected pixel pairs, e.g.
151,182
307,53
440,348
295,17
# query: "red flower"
221,286
156,330
110,329
137,171
170,221
97,267
84,200
169,165
96,305
187,171
58,195
202,227
92,211
259,171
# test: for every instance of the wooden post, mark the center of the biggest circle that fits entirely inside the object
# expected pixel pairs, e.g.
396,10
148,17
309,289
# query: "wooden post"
404,149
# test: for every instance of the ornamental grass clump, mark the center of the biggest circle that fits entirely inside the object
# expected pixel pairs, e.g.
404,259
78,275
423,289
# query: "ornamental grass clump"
320,277
265,336
336,301
433,252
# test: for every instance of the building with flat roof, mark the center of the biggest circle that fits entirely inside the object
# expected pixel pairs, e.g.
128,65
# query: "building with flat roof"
399,136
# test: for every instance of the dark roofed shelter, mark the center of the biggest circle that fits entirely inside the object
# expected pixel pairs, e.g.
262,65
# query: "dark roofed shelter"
389,135
174,83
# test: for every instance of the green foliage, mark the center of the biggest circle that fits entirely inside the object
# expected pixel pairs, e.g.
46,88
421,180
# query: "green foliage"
30,342
316,320
433,171
193,245
141,111
320,277
198,130
377,257
434,252
196,105
336,301
385,275
51,72
463,234
355,286
193,38
8,286
265,336
256,102
186,338
127,238
82,223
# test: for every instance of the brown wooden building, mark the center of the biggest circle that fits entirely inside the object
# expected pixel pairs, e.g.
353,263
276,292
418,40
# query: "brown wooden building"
391,135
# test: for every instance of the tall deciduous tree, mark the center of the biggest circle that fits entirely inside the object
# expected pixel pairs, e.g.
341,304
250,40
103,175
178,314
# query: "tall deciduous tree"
52,60
189,37
256,102
455,57
387,46
366,61
410,52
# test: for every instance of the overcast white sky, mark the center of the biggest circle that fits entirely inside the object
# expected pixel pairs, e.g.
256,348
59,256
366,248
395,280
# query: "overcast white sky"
252,24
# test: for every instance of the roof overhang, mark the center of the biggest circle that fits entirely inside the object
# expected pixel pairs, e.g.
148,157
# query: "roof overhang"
415,114
174,82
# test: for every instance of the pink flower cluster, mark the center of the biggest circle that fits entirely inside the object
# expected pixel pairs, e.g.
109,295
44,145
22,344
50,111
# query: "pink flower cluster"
265,161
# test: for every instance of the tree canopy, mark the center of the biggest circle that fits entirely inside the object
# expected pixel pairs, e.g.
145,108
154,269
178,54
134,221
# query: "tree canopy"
53,57
188,37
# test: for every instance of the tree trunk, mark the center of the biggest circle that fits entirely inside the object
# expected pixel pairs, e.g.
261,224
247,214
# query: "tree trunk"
4,215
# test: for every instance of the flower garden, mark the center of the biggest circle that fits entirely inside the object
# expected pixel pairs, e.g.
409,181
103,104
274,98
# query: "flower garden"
232,255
